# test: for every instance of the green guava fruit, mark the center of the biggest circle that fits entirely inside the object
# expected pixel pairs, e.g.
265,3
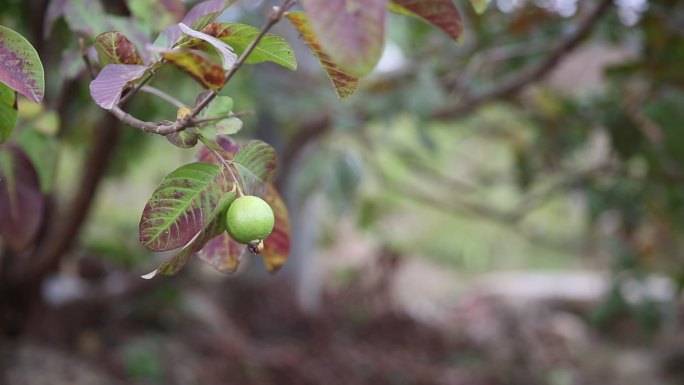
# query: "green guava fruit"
249,219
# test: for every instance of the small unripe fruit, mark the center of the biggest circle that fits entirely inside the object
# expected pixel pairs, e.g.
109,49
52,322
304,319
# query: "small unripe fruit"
183,139
249,220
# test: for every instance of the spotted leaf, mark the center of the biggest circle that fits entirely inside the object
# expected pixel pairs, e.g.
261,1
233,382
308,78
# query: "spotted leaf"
21,68
114,47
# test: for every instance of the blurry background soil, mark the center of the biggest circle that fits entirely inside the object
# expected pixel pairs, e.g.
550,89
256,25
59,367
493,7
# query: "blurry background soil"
194,329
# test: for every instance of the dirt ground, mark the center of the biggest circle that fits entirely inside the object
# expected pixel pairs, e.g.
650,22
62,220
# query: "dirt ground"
188,331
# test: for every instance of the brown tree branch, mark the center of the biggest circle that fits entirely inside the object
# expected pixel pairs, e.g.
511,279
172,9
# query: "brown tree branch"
308,133
166,128
519,80
162,95
64,230
199,122
507,88
275,17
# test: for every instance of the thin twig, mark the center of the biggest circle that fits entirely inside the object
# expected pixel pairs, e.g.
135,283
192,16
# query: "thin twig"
213,148
165,128
135,89
519,80
86,59
163,95
196,122
276,15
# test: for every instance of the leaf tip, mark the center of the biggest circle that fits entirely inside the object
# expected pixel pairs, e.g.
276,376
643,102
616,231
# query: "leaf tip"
149,275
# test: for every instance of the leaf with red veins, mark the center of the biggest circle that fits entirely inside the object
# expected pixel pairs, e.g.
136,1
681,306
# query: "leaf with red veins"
352,32
441,13
183,205
344,83
114,47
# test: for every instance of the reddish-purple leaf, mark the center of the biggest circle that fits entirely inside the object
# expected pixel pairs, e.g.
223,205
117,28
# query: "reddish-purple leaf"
21,201
277,245
344,83
441,13
229,146
197,65
106,89
21,68
114,47
155,13
173,265
222,253
174,7
352,32
183,204
197,18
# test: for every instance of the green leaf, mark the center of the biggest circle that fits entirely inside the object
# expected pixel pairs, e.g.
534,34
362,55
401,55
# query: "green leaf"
183,204
86,16
352,32
42,150
8,112
21,68
259,158
441,13
114,47
155,14
344,83
271,47
220,106
197,65
479,5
